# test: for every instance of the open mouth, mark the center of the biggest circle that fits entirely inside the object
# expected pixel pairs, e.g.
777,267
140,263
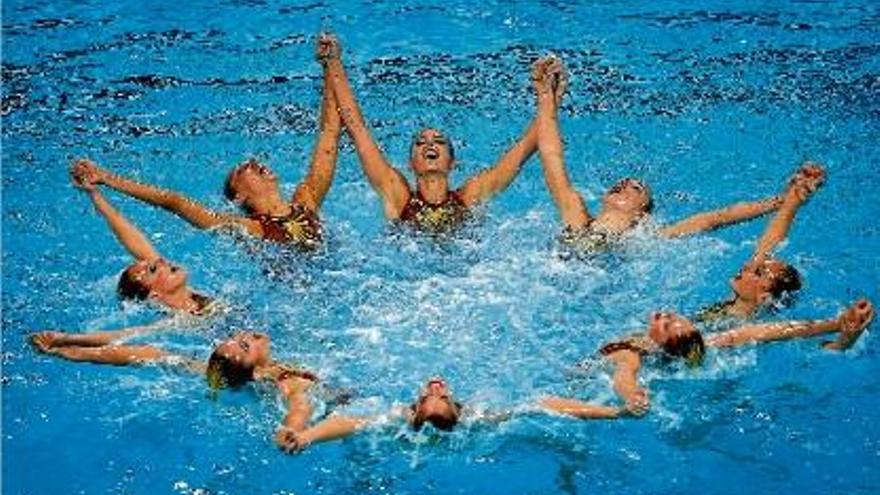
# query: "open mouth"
431,154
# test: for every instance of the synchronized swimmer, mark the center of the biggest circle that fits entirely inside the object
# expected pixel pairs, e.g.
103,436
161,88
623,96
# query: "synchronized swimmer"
433,206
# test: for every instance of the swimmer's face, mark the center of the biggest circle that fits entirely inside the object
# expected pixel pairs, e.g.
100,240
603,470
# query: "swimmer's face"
250,180
755,280
435,401
629,195
665,327
159,276
248,349
431,153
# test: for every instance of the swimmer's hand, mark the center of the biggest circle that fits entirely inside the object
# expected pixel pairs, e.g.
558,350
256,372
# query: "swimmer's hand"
86,175
853,321
549,77
806,180
45,341
290,441
637,405
327,48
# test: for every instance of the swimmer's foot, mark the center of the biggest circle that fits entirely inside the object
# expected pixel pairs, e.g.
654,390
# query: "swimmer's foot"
46,342
853,322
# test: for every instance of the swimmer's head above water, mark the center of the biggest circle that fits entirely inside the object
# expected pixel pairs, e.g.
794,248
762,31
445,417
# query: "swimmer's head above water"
431,153
249,184
676,336
435,405
764,281
151,279
233,361
630,196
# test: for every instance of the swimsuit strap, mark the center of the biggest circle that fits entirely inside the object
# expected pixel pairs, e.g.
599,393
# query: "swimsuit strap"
634,344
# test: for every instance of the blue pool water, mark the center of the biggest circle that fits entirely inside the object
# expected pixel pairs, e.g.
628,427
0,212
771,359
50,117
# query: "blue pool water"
708,104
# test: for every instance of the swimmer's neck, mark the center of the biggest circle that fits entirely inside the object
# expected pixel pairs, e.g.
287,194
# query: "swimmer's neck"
741,307
270,204
615,221
182,300
433,187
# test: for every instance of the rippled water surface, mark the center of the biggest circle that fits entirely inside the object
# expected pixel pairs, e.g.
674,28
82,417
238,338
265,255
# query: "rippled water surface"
709,104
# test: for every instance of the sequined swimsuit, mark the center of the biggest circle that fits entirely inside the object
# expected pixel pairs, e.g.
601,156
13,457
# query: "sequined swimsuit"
434,218
301,228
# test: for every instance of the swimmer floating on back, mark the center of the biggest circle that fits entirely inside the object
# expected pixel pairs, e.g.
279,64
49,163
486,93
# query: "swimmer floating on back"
150,278
244,357
673,336
435,405
254,187
624,205
765,279
431,206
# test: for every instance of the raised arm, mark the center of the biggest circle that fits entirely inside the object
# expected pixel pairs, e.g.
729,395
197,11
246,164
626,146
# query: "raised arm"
311,192
711,220
494,180
804,183
850,323
808,178
129,236
388,182
548,78
187,209
626,385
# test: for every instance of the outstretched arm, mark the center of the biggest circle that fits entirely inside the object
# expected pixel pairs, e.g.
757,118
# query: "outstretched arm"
548,80
851,323
805,182
332,428
385,179
50,339
311,192
712,220
626,385
187,209
494,180
118,355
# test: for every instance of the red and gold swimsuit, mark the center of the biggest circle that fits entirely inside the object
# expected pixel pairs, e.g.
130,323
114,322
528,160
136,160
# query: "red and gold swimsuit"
434,218
301,228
